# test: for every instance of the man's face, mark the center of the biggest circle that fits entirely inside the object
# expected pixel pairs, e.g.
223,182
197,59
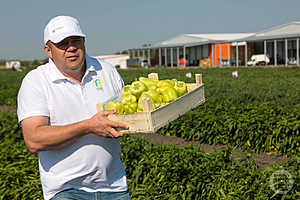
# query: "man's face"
68,55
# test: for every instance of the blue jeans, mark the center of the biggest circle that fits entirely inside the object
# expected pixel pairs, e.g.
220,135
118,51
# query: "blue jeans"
74,194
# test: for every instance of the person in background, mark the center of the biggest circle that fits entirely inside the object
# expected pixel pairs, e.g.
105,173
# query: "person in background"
78,147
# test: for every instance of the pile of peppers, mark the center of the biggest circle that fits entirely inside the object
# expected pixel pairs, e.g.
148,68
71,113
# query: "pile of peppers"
159,92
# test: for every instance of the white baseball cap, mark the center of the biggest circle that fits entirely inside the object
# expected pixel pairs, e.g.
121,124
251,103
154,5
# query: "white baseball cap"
61,27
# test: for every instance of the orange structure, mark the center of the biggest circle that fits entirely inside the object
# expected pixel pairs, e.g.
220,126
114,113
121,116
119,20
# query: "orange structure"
216,54
181,63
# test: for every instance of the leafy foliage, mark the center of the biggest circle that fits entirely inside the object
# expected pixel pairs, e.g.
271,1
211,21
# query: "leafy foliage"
153,171
258,111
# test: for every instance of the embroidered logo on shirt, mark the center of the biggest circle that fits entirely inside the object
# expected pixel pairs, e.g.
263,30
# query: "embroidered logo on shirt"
98,83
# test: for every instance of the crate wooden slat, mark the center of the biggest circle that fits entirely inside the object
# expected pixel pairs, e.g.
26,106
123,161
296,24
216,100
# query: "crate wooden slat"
150,120
162,116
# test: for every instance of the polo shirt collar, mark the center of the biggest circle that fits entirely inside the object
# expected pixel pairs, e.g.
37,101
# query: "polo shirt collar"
55,74
92,64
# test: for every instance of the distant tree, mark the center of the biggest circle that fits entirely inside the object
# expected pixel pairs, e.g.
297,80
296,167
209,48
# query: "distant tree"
25,63
35,63
2,62
122,52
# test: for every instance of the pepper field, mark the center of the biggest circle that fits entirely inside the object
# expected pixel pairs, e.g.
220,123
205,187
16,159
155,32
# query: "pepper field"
259,111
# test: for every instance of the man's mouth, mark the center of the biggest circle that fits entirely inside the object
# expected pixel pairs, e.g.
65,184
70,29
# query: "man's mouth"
72,58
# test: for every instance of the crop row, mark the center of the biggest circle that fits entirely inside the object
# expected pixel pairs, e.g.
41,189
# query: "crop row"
259,110
262,128
157,171
279,86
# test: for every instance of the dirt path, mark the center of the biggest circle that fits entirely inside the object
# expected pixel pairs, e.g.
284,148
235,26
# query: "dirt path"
9,108
262,159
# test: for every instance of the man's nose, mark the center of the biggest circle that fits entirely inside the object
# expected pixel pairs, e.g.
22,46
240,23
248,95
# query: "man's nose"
71,46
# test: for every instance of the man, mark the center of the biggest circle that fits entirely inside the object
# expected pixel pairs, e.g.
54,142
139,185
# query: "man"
79,149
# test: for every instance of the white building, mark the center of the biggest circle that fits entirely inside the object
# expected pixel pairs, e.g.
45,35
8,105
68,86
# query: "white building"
119,61
280,43
13,65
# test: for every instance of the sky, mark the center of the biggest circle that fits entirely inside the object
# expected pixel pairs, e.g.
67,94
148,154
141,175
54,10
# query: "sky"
116,25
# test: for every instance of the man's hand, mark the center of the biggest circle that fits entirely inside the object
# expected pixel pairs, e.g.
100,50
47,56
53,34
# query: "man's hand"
100,125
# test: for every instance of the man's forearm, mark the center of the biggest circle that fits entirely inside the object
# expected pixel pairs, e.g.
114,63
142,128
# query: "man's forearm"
53,137
39,136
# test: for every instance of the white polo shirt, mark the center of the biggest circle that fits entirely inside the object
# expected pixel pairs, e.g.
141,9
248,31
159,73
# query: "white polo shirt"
92,163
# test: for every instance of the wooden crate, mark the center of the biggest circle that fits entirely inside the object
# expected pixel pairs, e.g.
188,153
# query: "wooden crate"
149,121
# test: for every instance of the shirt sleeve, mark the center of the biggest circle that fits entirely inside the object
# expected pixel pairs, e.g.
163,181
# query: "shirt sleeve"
31,99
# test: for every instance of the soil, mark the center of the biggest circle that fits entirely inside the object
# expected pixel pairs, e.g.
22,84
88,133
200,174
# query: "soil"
9,108
262,159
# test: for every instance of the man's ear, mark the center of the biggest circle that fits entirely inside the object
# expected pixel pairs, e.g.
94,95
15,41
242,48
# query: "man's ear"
47,49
